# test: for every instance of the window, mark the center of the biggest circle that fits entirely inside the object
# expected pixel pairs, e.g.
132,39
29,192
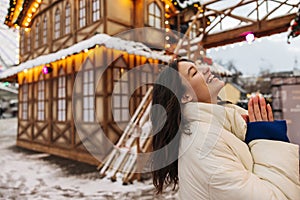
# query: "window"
120,97
41,99
61,108
37,34
96,10
82,13
88,96
45,30
154,15
24,102
22,41
28,42
57,24
193,32
68,19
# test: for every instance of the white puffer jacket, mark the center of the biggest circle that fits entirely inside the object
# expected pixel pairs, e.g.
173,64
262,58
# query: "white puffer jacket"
215,163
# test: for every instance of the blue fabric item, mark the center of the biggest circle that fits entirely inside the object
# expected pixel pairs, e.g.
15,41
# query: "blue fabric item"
276,130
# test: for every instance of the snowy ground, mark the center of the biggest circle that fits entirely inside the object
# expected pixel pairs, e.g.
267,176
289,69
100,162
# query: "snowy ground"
30,175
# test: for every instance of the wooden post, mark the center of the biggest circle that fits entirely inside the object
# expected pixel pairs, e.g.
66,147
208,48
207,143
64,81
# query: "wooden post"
138,164
179,44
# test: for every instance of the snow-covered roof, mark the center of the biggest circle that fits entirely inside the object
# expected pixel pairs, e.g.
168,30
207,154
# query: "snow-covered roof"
215,67
8,89
130,47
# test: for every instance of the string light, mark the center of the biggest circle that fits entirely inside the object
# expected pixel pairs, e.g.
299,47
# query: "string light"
30,12
167,29
47,69
250,38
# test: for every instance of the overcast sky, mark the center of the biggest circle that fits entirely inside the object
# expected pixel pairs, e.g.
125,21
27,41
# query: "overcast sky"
272,53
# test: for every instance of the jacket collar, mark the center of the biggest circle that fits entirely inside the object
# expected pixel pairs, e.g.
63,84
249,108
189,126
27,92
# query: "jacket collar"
227,117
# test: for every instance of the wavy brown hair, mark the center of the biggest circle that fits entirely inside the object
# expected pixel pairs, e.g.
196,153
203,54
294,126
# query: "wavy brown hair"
167,92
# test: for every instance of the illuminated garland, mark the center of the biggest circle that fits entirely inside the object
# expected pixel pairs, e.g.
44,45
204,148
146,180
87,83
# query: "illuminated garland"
23,15
183,4
10,13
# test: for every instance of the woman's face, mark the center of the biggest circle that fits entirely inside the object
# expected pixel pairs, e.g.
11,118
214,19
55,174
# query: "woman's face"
204,87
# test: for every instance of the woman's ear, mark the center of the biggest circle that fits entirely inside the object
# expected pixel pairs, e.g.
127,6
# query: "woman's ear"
186,98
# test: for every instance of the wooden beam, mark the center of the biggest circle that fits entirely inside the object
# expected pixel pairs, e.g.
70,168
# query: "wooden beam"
271,12
261,29
66,153
11,79
233,16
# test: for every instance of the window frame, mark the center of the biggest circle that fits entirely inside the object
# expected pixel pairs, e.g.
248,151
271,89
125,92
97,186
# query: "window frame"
37,35
57,24
121,98
88,96
193,32
25,100
154,15
96,10
61,96
82,13
41,94
28,41
45,30
22,42
68,18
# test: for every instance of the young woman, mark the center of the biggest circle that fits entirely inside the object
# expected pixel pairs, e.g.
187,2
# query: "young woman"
209,150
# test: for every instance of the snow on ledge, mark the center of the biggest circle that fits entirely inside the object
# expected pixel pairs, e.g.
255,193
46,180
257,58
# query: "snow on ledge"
130,47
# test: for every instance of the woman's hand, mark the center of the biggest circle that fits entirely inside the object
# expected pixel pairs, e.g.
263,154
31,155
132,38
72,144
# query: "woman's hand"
258,110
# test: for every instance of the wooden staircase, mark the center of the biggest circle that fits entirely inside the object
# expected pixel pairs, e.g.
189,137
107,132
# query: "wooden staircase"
123,161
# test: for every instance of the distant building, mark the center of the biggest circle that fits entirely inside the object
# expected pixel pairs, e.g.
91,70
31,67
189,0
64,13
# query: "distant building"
233,93
285,87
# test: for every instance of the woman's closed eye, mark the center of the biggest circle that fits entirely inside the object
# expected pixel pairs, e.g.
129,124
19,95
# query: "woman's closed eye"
195,72
192,71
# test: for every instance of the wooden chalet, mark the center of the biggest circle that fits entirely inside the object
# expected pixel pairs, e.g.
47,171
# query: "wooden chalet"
60,39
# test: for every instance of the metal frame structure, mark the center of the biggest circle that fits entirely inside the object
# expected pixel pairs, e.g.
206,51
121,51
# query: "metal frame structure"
225,22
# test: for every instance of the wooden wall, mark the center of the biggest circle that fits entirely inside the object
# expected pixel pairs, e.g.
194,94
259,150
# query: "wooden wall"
115,17
64,138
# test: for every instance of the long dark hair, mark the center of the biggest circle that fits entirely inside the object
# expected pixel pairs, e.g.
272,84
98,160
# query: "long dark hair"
167,92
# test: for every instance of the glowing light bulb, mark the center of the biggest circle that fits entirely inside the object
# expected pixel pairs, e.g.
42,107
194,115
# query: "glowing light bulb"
250,37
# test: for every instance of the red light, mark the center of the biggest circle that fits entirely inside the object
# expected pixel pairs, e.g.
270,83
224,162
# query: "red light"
47,70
